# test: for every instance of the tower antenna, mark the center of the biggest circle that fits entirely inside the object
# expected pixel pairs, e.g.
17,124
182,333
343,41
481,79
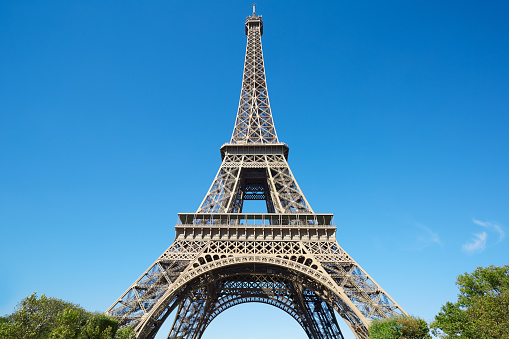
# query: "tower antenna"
254,9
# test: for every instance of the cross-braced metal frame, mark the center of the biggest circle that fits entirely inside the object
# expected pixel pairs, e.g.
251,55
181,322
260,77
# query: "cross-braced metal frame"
254,122
288,257
254,172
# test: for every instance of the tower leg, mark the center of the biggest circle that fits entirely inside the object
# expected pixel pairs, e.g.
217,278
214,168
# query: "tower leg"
189,314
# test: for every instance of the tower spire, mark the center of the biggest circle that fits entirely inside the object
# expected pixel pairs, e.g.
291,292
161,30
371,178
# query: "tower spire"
254,122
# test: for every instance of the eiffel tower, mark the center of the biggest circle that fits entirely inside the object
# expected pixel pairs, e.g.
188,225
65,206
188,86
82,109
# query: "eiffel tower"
288,257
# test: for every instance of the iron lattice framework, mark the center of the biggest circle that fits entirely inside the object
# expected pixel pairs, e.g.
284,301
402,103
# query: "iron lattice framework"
288,257
254,122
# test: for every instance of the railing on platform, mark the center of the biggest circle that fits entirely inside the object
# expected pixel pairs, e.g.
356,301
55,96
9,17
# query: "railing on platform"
255,219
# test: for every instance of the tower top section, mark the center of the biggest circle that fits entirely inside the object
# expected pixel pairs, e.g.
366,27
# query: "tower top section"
253,21
254,122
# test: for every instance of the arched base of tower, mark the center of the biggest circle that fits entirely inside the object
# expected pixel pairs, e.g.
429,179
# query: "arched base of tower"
206,297
206,290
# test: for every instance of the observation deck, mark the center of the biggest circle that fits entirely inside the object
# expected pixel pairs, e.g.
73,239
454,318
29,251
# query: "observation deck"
256,227
255,148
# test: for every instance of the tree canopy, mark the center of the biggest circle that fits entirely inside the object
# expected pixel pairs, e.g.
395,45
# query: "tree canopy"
482,308
399,327
50,318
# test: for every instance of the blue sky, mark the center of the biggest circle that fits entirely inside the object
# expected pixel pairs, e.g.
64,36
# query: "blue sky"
112,114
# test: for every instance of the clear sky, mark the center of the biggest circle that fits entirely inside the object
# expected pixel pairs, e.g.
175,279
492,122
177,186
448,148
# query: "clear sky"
112,114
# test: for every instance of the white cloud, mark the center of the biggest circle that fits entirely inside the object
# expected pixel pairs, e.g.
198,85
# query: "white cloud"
481,223
477,245
432,236
426,239
500,231
492,227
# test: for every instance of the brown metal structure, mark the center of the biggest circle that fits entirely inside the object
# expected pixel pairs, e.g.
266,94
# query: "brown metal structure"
288,257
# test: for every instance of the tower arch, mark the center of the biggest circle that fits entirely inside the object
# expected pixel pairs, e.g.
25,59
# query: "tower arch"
300,288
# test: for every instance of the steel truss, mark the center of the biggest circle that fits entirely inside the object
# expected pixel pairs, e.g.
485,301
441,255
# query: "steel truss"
250,283
288,257
217,261
262,176
254,122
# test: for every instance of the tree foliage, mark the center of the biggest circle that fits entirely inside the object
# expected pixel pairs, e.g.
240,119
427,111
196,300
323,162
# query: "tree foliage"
125,333
482,308
399,327
50,318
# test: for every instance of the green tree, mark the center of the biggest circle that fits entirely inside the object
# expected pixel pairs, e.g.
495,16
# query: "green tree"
99,326
399,327
50,318
35,318
69,323
125,333
482,308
